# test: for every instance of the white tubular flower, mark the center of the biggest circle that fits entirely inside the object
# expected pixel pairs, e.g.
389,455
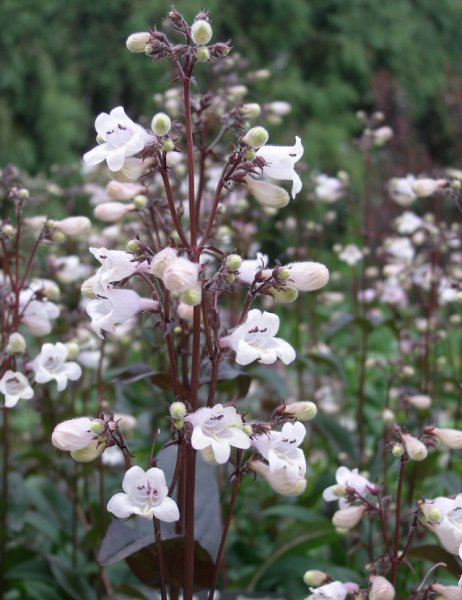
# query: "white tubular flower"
267,194
69,269
74,226
381,588
249,268
400,190
76,434
254,340
350,254
51,364
145,494
328,189
452,438
219,428
400,248
415,449
281,108
110,212
113,457
281,162
15,386
115,306
347,479
117,190
382,135
347,518
443,517
162,260
121,138
116,265
330,591
37,315
278,481
281,450
307,276
181,275
302,411
427,187
408,222
450,592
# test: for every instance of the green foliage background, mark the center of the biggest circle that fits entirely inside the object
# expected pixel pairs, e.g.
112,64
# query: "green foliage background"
63,62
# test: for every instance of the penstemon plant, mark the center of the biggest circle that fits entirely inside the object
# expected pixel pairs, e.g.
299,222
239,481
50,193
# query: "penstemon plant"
193,287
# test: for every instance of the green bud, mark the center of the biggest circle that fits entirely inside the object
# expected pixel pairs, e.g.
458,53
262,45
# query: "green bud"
140,201
161,124
16,344
247,429
134,246
397,450
256,137
202,54
230,278
283,273
178,410
201,32
251,110
233,262
168,145
89,453
286,295
72,351
250,154
97,426
23,193
178,423
193,296
8,229
58,237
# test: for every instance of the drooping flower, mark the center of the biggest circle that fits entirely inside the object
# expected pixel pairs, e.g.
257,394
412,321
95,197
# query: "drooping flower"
121,138
427,187
452,438
219,427
400,189
75,434
349,517
15,386
116,265
307,276
279,480
145,494
280,163
37,315
443,517
330,591
347,480
267,194
114,306
281,450
381,588
254,340
415,449
51,364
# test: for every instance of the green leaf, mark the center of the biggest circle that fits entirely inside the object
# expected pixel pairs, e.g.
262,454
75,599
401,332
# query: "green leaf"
227,374
133,373
70,580
434,554
298,513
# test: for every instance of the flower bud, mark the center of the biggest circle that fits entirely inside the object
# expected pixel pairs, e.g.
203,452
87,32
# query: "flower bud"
420,401
89,453
74,226
178,423
302,411
278,480
308,276
140,201
201,32
347,518
388,416
16,344
134,246
111,212
431,513
381,588
279,107
247,429
162,260
250,110
267,194
427,187
415,449
202,54
119,190
285,295
178,410
23,193
397,450
137,42
233,262
168,145
161,124
452,438
181,275
193,296
87,289
58,237
256,137
97,426
72,351
283,274
185,311
8,229
315,578
447,592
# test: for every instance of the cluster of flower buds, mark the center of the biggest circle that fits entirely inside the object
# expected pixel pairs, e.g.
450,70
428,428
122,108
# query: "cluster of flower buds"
178,274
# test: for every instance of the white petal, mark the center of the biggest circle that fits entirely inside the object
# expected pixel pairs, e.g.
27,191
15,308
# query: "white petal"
167,511
239,439
156,477
134,476
72,370
296,184
245,353
61,381
221,450
120,506
103,122
97,154
271,322
199,441
284,351
115,159
11,401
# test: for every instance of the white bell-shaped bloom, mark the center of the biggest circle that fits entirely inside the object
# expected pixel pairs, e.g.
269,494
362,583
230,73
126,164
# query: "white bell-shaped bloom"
121,138
408,222
349,517
427,187
452,438
115,306
278,480
328,189
219,427
74,227
69,269
267,194
400,189
307,276
76,434
162,260
116,265
350,254
381,588
144,494
255,340
281,163
15,386
37,315
347,480
281,450
330,591
51,364
181,275
443,516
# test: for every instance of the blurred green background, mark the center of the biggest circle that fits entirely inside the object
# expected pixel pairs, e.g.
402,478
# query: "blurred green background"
65,61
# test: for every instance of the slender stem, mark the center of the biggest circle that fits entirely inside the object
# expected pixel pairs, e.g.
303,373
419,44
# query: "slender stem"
171,206
361,396
188,586
4,518
160,558
169,341
190,149
394,559
226,526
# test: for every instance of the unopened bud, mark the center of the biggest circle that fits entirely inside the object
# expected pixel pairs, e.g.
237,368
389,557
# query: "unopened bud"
72,351
250,154
347,518
302,411
23,193
256,137
397,450
250,110
140,201
233,262
381,588
415,449
16,344
168,145
112,211
97,426
285,295
201,32
315,578
134,246
137,42
8,229
89,453
58,237
202,54
230,278
178,423
178,410
192,297
247,429
161,124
